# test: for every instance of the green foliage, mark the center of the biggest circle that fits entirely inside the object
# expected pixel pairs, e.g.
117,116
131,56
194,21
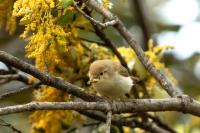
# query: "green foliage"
67,18
67,3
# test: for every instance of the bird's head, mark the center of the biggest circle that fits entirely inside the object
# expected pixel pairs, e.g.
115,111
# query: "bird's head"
101,70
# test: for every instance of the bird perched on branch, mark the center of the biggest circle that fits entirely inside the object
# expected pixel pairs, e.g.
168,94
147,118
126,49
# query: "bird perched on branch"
110,78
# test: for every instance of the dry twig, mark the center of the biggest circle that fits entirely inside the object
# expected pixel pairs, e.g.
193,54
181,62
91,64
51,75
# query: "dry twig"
3,123
33,86
132,123
95,22
108,121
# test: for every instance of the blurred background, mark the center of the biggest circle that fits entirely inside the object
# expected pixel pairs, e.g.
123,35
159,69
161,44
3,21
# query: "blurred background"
171,22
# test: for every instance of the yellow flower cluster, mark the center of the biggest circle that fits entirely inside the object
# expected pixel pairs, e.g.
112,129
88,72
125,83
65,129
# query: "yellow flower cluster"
156,53
6,17
56,49
50,121
46,36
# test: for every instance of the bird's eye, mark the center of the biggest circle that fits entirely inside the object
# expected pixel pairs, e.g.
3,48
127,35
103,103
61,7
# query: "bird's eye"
101,73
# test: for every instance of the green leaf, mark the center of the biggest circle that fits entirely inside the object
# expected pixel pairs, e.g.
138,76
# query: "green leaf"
67,3
24,22
67,18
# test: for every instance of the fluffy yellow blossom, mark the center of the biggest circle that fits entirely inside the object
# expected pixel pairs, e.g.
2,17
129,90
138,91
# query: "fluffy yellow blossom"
156,53
51,121
55,46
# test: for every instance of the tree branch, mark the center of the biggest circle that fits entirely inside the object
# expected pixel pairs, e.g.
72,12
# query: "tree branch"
46,78
183,104
95,22
132,123
159,76
10,77
9,126
107,43
160,123
108,121
4,72
33,86
136,105
110,45
142,15
91,41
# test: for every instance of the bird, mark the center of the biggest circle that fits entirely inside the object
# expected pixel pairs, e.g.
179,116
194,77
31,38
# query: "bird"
110,79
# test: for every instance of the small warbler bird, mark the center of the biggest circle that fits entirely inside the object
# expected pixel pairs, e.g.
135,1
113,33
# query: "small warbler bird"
110,79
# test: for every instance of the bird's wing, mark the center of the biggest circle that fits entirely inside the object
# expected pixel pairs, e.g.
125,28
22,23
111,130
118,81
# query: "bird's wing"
121,70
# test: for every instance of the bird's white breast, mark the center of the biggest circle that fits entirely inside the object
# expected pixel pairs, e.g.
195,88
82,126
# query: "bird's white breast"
114,88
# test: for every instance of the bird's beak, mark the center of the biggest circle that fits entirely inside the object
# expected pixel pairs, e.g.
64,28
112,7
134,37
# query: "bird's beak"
93,81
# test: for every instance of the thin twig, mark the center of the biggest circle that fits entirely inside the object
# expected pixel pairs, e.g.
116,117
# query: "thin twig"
150,125
83,28
3,81
10,77
11,74
142,14
9,126
103,25
125,122
108,43
33,86
91,41
3,72
160,123
108,121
